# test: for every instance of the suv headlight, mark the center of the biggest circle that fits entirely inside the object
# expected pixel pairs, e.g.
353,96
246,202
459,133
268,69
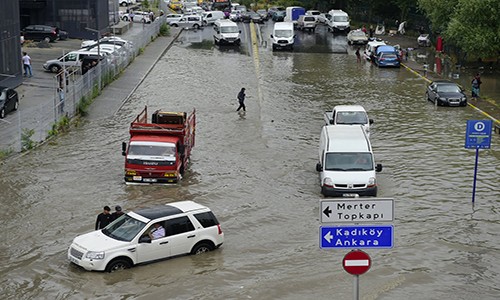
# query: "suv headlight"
95,255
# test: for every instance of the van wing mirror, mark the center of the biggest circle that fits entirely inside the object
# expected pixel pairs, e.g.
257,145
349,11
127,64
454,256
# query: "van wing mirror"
271,36
318,167
370,121
378,168
124,148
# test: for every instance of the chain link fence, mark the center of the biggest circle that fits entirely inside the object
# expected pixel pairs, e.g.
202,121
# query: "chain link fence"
73,91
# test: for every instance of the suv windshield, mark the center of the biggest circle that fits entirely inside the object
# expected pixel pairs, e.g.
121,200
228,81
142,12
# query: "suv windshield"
125,228
351,117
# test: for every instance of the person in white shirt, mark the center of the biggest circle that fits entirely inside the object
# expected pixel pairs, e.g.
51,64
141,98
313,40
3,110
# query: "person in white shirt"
157,231
26,59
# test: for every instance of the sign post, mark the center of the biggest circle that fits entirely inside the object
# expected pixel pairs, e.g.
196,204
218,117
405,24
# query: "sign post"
356,263
477,136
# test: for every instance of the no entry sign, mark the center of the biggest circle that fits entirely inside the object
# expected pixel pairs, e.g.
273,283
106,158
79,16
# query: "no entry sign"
356,262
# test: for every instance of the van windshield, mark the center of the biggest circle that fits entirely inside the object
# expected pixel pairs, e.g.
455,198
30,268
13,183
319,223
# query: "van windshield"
351,161
125,228
283,33
229,29
351,117
340,18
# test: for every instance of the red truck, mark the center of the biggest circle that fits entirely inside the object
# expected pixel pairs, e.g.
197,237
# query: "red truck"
158,151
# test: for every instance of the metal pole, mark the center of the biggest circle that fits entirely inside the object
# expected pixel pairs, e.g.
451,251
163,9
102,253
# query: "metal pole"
356,287
475,176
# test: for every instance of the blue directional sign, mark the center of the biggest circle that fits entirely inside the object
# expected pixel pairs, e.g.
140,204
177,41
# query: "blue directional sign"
478,134
356,237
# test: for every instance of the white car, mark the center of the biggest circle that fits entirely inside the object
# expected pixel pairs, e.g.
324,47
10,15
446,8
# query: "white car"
188,228
188,21
137,16
357,36
173,17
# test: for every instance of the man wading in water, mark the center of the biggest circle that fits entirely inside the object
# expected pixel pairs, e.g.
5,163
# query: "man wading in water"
241,100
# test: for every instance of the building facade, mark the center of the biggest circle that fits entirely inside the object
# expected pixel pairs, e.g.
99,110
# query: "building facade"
73,16
10,45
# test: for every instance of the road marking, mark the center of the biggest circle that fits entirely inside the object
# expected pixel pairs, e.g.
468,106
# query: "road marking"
256,60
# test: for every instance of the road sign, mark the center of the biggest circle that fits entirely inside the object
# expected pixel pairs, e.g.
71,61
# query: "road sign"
357,210
478,134
356,262
356,237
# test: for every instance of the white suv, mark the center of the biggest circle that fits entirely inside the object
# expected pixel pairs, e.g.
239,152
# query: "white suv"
189,228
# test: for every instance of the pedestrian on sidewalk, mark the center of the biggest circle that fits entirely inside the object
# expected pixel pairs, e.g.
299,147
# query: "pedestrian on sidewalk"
358,55
476,84
26,59
241,99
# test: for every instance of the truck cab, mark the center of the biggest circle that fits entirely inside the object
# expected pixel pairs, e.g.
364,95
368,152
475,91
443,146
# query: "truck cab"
349,115
158,151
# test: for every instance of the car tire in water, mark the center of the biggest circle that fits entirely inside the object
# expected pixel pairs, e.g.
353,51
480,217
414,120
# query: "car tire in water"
118,264
201,248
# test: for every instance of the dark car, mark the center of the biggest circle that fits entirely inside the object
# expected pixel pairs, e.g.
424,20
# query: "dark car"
263,14
245,17
446,93
279,16
272,10
256,18
43,33
9,101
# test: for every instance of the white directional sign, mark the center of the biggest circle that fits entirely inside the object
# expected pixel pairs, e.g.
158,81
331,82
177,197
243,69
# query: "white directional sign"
357,210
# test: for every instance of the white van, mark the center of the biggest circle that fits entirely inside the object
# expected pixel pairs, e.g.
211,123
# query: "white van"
338,21
349,115
209,17
71,60
346,163
226,32
283,35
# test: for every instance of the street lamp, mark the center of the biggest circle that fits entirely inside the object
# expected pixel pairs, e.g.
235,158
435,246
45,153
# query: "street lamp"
98,40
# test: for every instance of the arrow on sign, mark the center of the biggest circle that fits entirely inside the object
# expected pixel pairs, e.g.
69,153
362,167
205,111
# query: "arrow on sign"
328,236
327,211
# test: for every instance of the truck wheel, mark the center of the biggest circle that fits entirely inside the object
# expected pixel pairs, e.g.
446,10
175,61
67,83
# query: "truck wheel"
118,264
201,248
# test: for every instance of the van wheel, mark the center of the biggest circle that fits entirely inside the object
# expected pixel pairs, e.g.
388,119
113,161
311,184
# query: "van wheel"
205,23
201,248
196,26
118,264
54,69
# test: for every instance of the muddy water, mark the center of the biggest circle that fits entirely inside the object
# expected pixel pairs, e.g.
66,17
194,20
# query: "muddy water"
256,170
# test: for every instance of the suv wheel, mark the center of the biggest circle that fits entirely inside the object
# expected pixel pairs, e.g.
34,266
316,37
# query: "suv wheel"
46,39
201,248
175,25
54,69
196,26
16,105
118,264
2,113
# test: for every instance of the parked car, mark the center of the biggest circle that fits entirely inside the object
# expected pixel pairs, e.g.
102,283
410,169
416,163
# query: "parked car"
263,14
256,18
306,22
446,93
173,17
43,33
137,16
279,16
187,228
175,5
127,2
245,17
235,16
424,40
315,13
189,21
357,37
272,10
9,101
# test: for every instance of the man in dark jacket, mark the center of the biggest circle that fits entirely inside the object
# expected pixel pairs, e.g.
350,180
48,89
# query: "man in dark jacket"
118,212
241,100
103,219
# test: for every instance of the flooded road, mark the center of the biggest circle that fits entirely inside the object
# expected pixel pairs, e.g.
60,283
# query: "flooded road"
256,171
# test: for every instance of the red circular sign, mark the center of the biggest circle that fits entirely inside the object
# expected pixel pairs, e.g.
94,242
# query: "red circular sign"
356,262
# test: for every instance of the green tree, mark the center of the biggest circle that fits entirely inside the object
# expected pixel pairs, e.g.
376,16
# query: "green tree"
439,12
475,27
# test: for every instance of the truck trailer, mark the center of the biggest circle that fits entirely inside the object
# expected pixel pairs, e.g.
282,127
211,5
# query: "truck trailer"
158,151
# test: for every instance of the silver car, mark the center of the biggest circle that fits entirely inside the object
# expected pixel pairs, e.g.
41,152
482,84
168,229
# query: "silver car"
189,21
357,37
